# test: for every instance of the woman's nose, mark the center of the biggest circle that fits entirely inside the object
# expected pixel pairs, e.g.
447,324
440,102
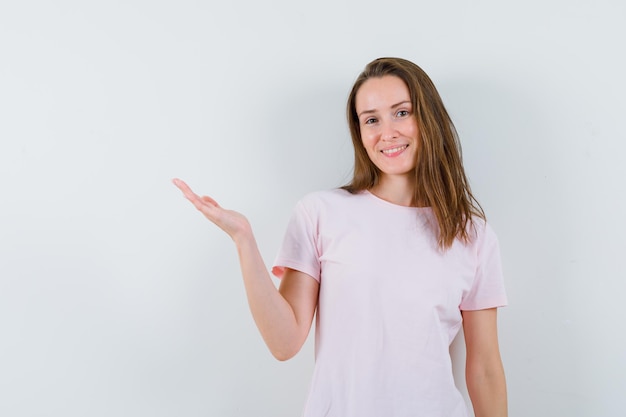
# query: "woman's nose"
388,130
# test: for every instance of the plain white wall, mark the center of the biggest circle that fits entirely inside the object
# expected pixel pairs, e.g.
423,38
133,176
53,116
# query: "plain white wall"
117,298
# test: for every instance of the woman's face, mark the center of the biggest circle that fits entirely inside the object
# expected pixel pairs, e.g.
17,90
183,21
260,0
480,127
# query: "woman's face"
388,125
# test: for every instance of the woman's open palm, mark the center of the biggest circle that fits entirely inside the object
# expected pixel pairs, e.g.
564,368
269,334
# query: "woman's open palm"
232,222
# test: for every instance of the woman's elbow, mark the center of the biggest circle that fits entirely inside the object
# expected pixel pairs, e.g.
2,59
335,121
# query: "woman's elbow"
284,353
286,348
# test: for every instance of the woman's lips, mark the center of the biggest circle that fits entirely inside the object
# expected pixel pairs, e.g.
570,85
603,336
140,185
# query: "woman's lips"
395,151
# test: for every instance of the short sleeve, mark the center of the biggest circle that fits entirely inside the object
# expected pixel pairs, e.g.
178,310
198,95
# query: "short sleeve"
487,290
299,247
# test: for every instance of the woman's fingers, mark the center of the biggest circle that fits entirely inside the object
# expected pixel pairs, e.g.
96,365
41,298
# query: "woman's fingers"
182,186
206,205
193,197
230,221
209,200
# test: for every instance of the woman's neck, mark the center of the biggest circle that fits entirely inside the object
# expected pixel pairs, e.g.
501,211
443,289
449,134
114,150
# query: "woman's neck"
395,189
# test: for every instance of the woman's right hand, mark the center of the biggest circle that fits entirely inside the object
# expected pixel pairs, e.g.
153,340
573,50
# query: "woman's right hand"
283,317
232,222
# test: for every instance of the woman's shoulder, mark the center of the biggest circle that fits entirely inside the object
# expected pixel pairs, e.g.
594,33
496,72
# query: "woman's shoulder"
481,232
332,196
328,201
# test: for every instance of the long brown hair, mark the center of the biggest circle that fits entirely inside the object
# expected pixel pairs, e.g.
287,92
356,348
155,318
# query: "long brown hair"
440,180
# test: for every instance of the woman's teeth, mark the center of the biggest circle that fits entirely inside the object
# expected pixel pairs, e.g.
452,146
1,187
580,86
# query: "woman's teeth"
394,150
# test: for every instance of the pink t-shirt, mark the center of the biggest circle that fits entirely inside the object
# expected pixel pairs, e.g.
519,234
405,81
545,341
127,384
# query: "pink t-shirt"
389,305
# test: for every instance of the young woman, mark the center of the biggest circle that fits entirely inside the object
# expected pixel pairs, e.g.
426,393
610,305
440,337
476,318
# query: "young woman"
393,264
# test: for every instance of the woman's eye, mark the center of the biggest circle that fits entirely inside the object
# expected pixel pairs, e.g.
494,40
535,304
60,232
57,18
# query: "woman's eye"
370,121
402,113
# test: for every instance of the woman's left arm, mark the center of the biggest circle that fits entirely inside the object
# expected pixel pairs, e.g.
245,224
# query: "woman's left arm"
484,372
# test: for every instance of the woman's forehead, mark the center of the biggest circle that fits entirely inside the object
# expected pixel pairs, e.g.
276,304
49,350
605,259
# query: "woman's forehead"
381,92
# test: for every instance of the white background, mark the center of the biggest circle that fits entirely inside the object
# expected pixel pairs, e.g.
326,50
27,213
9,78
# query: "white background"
118,299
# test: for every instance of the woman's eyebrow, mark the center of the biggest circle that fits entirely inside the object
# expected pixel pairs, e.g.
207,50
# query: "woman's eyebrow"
401,103
392,106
